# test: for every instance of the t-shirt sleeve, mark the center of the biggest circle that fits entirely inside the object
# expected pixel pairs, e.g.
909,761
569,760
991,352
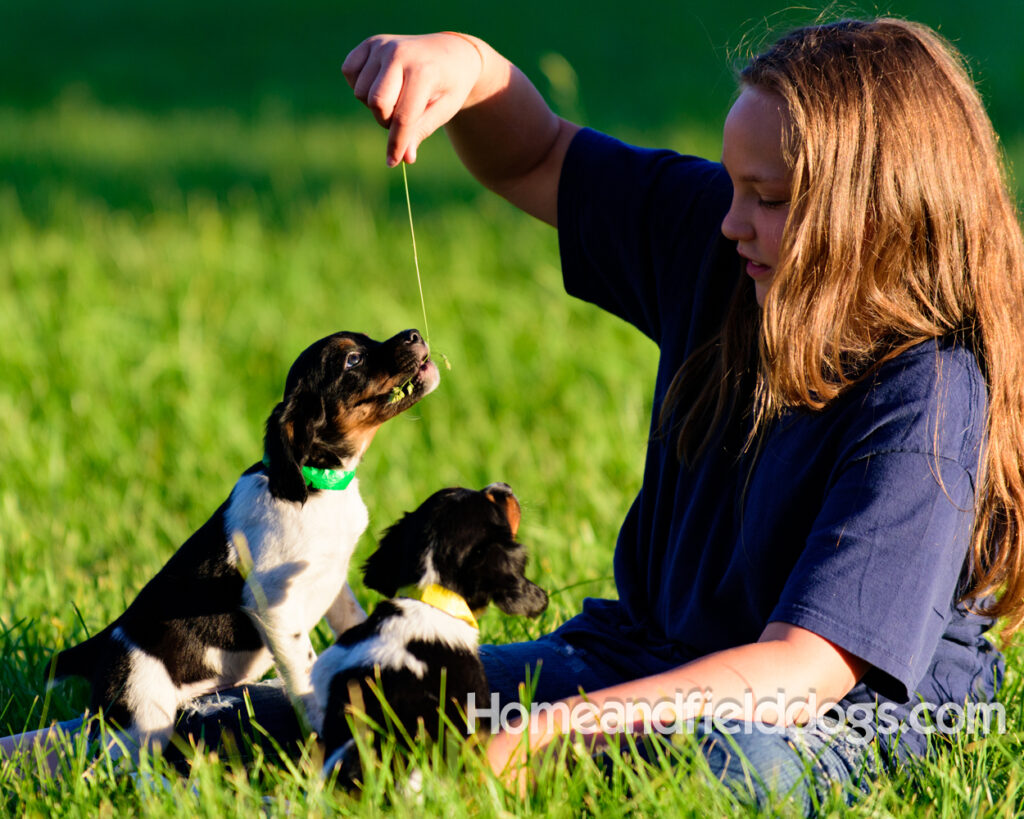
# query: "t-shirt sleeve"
634,227
886,551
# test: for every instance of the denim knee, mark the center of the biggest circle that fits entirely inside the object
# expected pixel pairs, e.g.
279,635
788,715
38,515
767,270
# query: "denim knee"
801,763
553,667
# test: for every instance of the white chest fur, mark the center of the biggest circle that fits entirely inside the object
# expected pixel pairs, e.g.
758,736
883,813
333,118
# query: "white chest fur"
389,646
299,553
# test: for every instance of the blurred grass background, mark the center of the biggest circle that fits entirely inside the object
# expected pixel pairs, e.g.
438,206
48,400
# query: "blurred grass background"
138,103
189,195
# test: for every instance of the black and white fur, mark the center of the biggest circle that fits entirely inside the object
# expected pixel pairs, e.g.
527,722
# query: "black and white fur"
244,591
460,539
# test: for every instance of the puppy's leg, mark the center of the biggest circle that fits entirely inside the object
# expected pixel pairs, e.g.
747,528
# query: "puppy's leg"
294,657
137,694
152,699
345,611
138,698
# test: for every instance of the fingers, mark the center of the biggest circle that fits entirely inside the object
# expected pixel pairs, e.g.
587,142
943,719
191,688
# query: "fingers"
412,85
386,87
367,76
366,70
355,61
410,120
380,93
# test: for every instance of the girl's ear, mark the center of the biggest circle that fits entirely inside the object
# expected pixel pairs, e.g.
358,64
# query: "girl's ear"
291,432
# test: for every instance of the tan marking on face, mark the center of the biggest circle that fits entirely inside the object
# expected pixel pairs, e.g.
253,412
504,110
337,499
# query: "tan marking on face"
360,414
511,507
358,425
361,438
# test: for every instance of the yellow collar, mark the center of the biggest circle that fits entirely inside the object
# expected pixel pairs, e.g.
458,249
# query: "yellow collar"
444,599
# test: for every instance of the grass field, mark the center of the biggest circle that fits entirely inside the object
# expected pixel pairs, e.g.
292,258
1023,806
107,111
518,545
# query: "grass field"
188,197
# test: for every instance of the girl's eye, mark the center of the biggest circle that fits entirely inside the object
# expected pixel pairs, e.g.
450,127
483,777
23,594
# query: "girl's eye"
353,360
771,204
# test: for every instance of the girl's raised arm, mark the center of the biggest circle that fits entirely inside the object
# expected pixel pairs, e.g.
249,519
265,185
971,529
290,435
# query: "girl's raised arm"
502,129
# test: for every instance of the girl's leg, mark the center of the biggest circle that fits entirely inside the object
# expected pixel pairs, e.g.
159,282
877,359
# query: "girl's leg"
752,760
554,668
804,763
760,763
225,717
558,668
50,738
230,716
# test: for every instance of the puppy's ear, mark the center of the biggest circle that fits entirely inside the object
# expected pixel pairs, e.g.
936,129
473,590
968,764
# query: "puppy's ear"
284,472
388,568
291,432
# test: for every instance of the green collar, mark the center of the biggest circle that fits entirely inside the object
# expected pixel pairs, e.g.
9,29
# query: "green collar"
444,599
337,479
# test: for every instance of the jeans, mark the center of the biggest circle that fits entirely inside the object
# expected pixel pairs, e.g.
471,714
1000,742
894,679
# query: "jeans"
752,760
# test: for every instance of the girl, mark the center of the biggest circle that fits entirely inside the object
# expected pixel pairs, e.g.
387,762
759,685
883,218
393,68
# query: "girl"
833,487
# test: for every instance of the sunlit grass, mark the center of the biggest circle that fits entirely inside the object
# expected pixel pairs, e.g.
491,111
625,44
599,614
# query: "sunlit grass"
146,344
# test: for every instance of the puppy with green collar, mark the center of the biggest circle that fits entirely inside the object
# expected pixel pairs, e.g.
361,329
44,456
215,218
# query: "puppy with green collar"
244,591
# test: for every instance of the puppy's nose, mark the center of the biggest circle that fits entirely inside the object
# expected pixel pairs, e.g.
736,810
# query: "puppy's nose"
412,337
498,488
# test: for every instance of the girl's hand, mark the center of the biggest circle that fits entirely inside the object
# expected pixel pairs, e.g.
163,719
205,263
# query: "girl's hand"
506,755
505,135
413,85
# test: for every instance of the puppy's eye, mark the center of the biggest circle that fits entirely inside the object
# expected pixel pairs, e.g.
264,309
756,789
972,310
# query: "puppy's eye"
353,360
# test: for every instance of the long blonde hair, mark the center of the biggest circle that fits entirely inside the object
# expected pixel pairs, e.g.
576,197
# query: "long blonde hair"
901,229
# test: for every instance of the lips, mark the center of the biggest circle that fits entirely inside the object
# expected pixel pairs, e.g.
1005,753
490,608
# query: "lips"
755,270
428,376
425,367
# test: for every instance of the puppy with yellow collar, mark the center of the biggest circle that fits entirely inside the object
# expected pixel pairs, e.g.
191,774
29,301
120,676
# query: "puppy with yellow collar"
441,565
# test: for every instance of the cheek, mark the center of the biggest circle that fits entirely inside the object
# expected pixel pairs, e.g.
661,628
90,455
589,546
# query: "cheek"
771,235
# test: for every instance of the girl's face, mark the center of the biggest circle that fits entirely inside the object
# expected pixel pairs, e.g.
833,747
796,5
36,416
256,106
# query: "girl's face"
752,156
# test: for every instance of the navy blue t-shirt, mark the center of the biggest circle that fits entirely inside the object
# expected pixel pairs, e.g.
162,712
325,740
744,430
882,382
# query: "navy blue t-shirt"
845,528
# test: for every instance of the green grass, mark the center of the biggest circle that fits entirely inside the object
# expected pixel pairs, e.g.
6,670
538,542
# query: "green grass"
182,211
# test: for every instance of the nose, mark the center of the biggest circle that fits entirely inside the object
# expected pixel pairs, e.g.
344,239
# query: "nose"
735,225
411,337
